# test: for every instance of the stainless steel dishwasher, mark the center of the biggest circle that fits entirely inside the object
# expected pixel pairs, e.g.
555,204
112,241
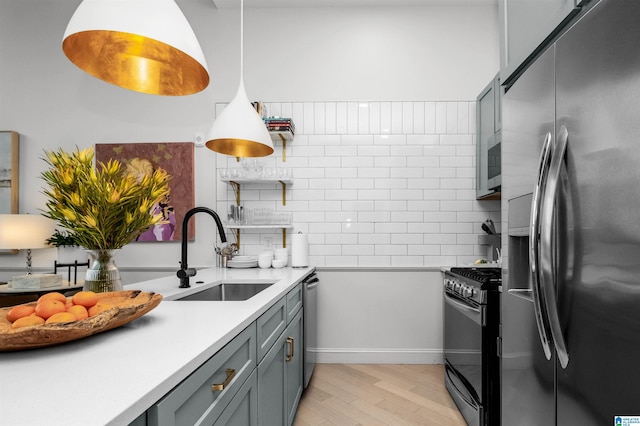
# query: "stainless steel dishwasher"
310,303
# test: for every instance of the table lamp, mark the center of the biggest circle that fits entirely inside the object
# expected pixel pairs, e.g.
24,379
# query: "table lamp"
26,231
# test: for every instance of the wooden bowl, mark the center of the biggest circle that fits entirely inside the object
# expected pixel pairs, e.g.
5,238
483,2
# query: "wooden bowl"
127,306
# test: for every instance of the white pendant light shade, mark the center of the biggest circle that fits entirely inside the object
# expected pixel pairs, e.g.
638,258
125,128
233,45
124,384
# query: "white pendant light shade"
239,131
142,45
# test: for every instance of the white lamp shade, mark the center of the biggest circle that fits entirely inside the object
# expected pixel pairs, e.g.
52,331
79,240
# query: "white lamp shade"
143,45
239,131
24,231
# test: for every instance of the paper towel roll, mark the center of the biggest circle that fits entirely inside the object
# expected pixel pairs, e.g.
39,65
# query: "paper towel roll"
299,250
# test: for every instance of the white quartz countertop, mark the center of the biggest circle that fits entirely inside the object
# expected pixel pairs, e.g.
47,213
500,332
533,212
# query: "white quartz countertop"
113,377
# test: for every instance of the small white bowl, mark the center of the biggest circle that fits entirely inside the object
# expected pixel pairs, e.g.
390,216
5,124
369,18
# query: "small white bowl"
276,263
264,263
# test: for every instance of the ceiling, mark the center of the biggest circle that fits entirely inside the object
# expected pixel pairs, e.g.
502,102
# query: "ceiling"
231,4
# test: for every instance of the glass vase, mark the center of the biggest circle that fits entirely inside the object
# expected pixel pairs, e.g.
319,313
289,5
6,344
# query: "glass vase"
103,274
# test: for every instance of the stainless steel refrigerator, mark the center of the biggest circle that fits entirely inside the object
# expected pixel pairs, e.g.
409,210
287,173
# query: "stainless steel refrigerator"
570,324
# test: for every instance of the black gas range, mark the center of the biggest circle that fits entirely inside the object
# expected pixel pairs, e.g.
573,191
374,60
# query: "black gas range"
473,284
471,322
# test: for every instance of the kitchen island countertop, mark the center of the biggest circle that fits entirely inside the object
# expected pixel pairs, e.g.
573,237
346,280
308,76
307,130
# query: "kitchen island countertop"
113,377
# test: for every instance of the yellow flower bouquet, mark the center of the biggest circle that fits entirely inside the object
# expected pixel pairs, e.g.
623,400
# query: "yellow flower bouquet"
103,207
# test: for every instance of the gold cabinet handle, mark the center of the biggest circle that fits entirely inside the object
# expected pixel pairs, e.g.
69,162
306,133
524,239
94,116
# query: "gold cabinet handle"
290,342
220,386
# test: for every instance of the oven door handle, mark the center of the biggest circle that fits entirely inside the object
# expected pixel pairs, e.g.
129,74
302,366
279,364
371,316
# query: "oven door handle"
475,314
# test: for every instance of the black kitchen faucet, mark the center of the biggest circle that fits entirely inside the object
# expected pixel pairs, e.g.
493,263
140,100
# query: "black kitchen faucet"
185,272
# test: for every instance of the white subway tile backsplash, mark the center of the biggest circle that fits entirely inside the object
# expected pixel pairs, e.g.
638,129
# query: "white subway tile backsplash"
319,119
375,183
430,118
341,118
374,261
374,118
364,117
372,238
441,118
374,216
358,206
463,118
330,118
357,228
353,118
418,118
309,116
385,118
408,118
397,118
374,194
389,205
341,239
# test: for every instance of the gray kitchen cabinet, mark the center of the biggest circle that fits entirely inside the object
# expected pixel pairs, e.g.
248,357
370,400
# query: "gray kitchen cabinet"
488,140
525,28
294,302
280,380
294,366
256,378
270,325
203,396
280,372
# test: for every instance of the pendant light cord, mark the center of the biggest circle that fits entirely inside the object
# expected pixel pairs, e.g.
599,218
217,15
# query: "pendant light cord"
241,41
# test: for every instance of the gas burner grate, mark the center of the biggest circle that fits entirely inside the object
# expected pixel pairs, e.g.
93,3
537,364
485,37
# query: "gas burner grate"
481,275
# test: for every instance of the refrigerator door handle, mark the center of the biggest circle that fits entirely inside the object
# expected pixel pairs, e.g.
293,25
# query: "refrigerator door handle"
548,246
534,245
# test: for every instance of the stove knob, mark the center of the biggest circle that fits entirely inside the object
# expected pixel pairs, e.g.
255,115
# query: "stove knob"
472,291
466,291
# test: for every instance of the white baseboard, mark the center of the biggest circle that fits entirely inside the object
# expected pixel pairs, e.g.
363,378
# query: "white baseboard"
378,356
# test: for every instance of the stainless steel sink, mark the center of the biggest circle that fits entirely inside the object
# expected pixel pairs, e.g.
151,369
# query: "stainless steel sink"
231,291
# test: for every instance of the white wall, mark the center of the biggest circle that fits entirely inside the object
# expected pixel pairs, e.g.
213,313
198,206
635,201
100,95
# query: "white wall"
380,315
419,54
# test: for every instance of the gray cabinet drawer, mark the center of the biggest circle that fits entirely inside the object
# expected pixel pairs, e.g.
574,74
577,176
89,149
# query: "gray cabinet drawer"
294,302
270,325
194,402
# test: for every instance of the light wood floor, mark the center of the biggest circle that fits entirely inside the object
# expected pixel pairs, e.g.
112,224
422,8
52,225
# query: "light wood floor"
368,394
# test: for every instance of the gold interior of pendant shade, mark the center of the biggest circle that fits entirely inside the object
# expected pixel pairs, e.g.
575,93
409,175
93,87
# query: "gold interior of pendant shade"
135,62
241,148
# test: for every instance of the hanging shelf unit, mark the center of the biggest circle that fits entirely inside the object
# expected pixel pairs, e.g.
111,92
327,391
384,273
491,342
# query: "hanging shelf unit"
237,228
236,184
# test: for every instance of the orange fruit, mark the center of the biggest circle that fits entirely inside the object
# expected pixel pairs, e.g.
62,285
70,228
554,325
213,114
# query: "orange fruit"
85,298
61,317
20,311
46,308
53,295
27,321
79,311
98,308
